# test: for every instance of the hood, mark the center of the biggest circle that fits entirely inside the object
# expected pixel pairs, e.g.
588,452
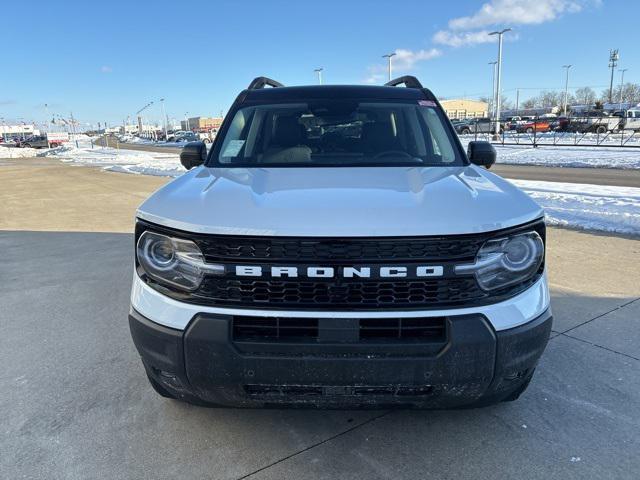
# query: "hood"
337,202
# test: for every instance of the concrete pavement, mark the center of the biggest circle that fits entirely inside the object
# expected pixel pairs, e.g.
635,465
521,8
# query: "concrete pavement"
75,402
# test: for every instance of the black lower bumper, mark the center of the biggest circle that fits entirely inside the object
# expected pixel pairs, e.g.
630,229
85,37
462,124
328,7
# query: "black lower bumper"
473,365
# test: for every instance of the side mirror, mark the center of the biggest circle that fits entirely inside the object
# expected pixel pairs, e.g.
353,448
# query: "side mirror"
193,154
481,153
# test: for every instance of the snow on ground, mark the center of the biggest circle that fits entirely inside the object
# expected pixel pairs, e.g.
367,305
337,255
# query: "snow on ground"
557,156
587,207
581,206
564,155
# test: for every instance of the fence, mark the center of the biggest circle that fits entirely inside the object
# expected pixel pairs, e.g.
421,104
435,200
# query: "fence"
584,131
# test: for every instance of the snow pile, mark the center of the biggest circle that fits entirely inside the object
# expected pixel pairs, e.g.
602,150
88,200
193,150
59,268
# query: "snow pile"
127,161
587,207
13,152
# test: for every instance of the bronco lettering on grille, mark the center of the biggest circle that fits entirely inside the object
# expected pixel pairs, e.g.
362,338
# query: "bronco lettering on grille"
344,272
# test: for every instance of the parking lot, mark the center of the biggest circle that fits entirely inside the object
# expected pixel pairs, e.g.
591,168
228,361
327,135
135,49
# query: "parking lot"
76,403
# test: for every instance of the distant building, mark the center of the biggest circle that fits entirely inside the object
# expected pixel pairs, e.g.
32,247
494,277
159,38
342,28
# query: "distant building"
22,130
201,124
462,108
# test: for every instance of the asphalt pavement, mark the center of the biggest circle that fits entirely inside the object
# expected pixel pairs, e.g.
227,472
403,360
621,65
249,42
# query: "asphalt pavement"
76,404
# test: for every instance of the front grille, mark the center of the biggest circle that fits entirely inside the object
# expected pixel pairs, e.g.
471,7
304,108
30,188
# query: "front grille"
359,250
365,330
339,293
354,294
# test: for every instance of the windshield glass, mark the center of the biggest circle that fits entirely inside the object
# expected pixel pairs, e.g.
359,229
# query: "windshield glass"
340,132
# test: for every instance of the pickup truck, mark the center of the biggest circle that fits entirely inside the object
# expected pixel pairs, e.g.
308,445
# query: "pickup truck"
49,140
631,120
337,247
595,122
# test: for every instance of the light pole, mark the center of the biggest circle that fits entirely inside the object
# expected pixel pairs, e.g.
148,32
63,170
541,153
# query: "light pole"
493,88
566,88
319,72
613,62
621,85
500,34
186,121
164,119
388,57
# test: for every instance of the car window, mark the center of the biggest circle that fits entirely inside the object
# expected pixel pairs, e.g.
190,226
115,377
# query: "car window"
337,132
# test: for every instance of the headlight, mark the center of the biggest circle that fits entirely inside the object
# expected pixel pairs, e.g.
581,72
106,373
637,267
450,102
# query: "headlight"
173,261
506,261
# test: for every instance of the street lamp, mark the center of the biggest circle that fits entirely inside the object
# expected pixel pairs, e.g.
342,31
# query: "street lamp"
319,72
621,85
500,34
566,88
493,87
613,62
164,118
388,57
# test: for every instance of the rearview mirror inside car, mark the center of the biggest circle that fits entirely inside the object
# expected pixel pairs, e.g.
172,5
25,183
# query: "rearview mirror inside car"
481,153
193,154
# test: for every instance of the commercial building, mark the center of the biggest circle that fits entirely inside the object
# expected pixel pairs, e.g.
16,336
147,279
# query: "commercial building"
201,124
462,108
22,130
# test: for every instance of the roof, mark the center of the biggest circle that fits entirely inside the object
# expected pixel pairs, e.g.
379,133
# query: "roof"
336,91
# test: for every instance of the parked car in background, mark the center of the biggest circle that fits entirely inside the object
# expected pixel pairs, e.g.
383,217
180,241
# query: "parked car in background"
476,125
631,120
539,125
560,124
184,137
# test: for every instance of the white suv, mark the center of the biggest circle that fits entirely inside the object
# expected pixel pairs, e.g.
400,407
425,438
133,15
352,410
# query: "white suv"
337,247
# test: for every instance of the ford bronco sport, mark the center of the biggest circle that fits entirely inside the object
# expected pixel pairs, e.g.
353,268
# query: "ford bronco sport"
337,247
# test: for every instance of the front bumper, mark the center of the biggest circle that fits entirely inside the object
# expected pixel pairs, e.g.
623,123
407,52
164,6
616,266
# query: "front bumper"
473,364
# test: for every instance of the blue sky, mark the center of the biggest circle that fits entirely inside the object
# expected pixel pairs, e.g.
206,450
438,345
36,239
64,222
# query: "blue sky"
106,60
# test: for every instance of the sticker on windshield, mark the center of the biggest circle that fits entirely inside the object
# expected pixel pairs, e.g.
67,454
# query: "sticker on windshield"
233,149
427,103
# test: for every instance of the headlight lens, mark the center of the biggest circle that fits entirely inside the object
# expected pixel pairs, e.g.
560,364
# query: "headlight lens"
506,261
173,261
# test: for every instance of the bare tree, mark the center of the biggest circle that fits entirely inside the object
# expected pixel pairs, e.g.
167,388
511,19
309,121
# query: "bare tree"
586,96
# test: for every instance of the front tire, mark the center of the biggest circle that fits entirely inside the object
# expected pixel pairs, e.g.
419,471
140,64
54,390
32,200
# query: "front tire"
465,131
601,129
529,130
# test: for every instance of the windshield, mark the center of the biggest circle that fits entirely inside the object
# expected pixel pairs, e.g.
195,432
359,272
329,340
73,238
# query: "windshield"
338,133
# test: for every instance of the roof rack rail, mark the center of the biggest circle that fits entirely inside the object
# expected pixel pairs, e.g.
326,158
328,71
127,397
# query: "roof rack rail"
408,81
261,82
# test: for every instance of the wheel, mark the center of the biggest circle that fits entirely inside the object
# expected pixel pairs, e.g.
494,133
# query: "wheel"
465,131
206,141
601,129
529,130
25,145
